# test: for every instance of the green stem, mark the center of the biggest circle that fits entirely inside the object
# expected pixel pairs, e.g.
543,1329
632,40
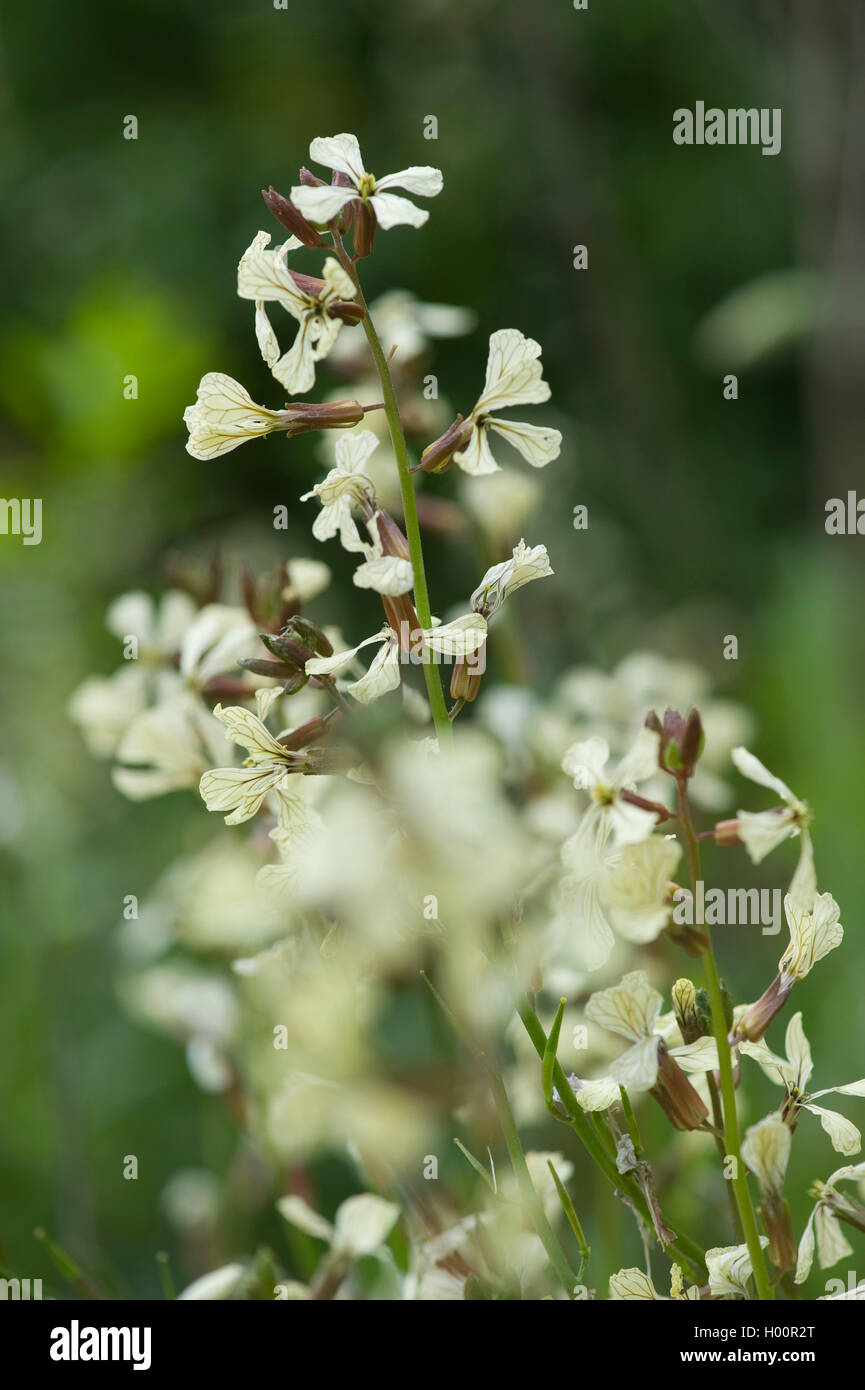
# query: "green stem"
409,501
725,1066
684,1250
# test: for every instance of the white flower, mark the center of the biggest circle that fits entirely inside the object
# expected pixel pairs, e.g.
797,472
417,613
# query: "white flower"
241,790
361,1227
631,1009
167,747
306,579
461,638
345,489
391,575
813,934
766,1151
761,831
632,1284
730,1268
297,822
225,416
342,153
793,1073
610,814
218,1285
502,580
823,1230
514,377
625,891
263,277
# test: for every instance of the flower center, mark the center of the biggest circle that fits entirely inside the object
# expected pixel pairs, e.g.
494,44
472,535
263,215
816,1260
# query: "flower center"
366,187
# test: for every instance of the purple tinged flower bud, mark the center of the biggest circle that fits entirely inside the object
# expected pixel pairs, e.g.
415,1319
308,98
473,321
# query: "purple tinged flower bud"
676,1096
438,456
289,217
364,225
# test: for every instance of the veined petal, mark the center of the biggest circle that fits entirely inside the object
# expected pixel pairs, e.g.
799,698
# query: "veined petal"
295,370
832,1244
393,211
340,152
386,574
514,373
420,179
477,458
339,283
354,448
321,204
844,1135
633,1284
245,728
698,1056
599,1094
262,275
798,1051
463,637
330,665
225,416
268,343
382,676
239,790
806,1251
637,1069
538,444
629,1008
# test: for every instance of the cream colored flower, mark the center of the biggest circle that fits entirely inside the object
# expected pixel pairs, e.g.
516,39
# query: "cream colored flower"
813,934
608,891
225,416
766,1151
241,790
346,489
464,637
793,1073
610,814
824,1232
635,1286
631,1009
762,831
361,1227
167,747
342,153
730,1268
216,1286
262,276
514,377
502,580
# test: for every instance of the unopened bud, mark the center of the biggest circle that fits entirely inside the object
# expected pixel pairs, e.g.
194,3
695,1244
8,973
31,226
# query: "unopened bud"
313,729
393,542
438,456
289,217
465,681
691,1018
678,1099
364,225
726,832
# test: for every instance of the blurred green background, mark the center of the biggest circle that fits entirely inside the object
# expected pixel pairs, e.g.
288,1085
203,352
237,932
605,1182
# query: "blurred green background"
706,515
